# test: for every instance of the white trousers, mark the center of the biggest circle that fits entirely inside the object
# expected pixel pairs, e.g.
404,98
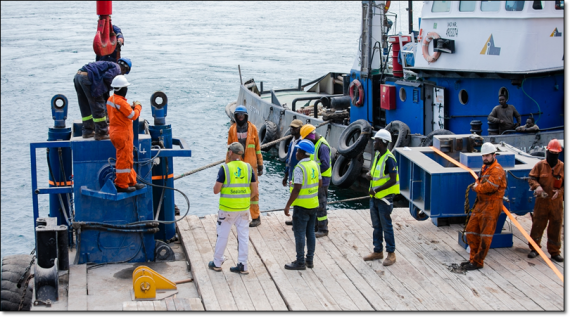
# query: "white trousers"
225,222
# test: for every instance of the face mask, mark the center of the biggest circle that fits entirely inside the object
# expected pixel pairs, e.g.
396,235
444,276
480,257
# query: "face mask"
551,158
310,136
241,122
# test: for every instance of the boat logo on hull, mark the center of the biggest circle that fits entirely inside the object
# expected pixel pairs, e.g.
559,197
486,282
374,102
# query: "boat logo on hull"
555,33
489,47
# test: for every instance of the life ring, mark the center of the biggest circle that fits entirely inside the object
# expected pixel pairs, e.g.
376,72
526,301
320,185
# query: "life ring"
433,57
357,99
360,129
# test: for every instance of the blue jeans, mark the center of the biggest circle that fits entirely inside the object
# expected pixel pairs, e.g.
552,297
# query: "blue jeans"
304,226
382,224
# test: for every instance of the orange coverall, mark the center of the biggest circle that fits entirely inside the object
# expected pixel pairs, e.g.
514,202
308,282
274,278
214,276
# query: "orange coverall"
251,155
546,210
490,190
121,117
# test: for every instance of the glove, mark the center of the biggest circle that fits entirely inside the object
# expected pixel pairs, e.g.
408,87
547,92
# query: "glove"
556,191
540,192
136,103
260,170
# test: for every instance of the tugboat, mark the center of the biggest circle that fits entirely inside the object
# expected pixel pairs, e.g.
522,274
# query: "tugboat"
444,79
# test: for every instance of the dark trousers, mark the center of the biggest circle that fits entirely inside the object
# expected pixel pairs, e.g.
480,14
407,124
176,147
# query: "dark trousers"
322,218
303,226
380,214
93,109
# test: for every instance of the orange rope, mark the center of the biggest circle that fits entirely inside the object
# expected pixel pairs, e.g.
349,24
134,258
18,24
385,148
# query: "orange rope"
517,224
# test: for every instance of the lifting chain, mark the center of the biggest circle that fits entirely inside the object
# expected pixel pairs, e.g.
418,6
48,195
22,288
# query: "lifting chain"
27,269
25,291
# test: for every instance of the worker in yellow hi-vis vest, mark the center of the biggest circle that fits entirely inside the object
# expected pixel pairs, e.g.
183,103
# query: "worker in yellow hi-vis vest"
236,184
305,201
384,185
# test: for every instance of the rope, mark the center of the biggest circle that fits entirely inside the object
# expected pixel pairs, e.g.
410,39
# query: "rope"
330,203
266,145
517,224
468,209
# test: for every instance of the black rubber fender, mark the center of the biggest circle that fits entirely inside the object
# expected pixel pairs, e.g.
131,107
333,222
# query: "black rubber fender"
400,134
284,146
417,213
428,141
346,170
13,267
359,127
267,133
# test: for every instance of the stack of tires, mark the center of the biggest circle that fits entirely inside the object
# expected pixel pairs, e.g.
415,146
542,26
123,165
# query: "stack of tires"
351,145
16,294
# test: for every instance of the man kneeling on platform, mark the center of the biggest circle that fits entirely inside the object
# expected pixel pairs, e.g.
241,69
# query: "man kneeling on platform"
237,184
305,201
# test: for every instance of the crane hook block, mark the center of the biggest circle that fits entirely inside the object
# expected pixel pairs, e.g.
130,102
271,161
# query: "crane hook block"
147,281
105,39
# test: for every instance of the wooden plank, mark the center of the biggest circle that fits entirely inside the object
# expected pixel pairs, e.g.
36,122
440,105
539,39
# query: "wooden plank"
196,304
234,281
286,289
218,280
182,304
198,266
127,306
170,304
409,265
309,298
341,288
159,305
308,275
145,305
269,288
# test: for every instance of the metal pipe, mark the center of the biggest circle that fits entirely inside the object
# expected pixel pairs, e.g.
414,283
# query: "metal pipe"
410,18
293,107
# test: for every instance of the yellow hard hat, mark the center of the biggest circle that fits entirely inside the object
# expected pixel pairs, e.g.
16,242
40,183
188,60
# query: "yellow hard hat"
306,130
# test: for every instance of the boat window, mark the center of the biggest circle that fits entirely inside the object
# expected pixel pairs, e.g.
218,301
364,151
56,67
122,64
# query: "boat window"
514,5
467,6
559,5
463,97
403,95
441,6
538,5
490,5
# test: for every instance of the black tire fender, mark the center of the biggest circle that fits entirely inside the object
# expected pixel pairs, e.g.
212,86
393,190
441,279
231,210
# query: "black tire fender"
284,146
13,267
428,141
267,133
359,127
400,134
346,171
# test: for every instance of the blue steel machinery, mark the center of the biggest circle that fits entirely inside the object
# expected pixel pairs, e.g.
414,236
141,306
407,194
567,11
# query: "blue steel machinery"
106,226
435,188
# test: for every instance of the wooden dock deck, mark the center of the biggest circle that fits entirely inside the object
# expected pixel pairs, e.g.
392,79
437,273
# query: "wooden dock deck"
420,280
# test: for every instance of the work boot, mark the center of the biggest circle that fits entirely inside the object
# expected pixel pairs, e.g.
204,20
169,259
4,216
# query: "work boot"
309,264
87,135
391,259
129,189
255,222
295,266
471,266
289,222
139,186
533,254
321,234
463,264
239,268
100,137
176,211
374,256
213,266
557,258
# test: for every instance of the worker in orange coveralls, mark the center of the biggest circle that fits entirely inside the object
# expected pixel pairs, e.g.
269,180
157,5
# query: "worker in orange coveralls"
245,133
121,117
490,189
547,180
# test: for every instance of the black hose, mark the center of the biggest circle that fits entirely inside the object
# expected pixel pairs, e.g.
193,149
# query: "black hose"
159,186
520,178
108,225
102,228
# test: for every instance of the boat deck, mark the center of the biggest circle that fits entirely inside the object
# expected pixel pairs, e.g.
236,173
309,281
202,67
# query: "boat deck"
420,280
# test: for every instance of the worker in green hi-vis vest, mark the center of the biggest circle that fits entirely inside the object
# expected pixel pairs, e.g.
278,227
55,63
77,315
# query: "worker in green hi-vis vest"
384,185
305,201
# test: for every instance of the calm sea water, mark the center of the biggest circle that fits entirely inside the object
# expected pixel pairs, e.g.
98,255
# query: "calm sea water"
190,51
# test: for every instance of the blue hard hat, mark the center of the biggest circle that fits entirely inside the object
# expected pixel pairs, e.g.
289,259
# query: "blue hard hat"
123,61
240,109
306,146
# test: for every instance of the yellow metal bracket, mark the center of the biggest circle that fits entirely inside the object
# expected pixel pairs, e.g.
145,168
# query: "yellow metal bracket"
146,282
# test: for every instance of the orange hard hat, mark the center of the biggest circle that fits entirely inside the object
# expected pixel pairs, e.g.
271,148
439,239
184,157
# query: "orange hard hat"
554,146
306,130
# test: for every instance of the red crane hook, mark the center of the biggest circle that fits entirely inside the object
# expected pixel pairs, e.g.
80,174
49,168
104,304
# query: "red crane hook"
105,39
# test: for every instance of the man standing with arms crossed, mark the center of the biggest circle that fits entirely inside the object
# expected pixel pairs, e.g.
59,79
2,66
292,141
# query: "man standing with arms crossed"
237,184
292,161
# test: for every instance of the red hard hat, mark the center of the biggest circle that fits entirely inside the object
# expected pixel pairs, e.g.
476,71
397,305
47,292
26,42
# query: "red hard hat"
554,146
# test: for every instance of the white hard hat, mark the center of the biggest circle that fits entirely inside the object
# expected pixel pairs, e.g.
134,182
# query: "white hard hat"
384,135
119,82
488,148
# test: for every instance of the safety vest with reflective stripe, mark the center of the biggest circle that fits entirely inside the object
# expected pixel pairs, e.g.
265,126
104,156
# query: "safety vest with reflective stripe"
315,157
379,177
309,194
235,193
